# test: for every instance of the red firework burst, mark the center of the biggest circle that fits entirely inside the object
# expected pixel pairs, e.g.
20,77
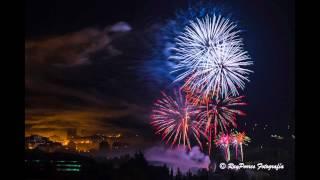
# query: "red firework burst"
218,115
174,118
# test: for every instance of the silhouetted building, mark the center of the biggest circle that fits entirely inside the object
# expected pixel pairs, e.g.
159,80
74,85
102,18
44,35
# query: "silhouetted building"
71,146
119,145
33,141
50,147
104,146
36,139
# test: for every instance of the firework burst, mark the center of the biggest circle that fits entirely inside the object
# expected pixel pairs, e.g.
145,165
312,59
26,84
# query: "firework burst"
210,57
221,114
223,141
239,139
173,117
218,115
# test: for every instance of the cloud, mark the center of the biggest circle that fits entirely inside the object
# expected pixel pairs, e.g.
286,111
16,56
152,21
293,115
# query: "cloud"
178,158
53,62
69,49
74,48
121,27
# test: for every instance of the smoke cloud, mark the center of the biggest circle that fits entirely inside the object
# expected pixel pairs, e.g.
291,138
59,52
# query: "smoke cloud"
179,157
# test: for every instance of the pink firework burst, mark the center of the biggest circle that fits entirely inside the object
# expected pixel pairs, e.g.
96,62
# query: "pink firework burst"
174,118
223,141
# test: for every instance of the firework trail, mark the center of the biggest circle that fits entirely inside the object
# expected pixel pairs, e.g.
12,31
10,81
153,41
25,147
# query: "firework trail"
173,117
210,57
223,141
239,139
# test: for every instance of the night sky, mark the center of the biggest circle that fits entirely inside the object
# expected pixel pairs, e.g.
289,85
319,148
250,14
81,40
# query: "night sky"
88,66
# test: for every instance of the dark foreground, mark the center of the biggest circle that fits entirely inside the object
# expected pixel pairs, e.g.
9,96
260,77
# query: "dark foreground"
40,165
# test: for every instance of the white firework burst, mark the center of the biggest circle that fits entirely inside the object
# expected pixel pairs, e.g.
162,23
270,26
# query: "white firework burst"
210,57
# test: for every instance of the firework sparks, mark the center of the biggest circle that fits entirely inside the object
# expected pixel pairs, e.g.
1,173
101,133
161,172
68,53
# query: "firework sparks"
220,114
173,118
210,57
223,141
217,115
239,139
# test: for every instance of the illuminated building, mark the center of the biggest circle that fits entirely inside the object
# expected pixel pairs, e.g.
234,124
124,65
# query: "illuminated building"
75,143
85,144
92,143
276,137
